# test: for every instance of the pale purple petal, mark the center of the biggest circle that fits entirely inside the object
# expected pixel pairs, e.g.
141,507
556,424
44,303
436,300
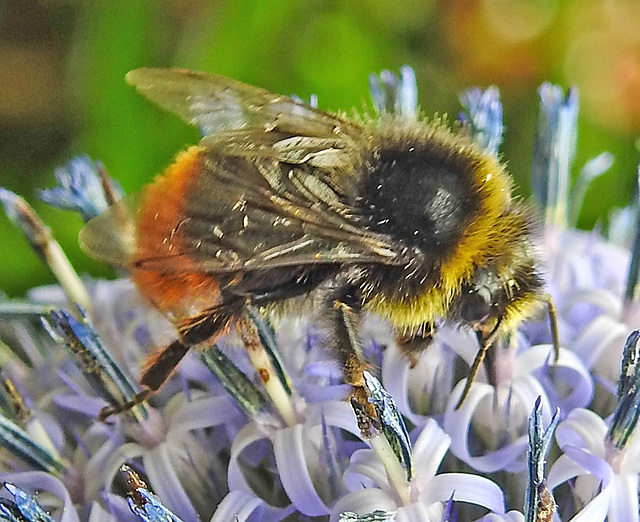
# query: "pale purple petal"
596,510
98,514
288,447
43,421
395,377
314,393
566,252
423,389
582,429
48,294
569,370
101,468
604,335
563,469
236,506
525,391
202,412
457,424
165,482
104,465
418,512
624,499
338,414
248,507
292,456
83,404
365,470
119,508
428,451
246,436
461,340
584,302
464,487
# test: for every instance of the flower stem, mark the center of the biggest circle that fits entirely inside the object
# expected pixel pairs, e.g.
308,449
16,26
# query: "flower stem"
43,243
396,473
266,371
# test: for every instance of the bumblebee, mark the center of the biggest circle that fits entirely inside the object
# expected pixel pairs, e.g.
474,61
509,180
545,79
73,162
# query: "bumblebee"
401,218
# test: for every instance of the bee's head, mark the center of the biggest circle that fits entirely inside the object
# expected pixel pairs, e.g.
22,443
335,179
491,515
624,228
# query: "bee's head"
508,286
499,294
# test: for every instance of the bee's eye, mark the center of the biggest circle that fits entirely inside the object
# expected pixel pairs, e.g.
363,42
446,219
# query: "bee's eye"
476,305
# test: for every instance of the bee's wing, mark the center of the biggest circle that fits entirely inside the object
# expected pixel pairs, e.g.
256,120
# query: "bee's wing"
275,189
111,237
287,216
242,213
217,104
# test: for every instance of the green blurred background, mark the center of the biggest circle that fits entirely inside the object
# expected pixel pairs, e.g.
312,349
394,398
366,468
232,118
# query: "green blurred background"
62,65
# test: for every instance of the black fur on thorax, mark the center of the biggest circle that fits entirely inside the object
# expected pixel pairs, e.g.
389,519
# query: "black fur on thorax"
421,193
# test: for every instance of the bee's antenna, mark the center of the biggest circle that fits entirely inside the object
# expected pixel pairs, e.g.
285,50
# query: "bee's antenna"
485,344
553,320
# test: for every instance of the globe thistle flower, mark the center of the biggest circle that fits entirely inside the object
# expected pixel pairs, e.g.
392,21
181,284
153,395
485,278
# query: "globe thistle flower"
600,460
83,187
498,417
215,444
23,506
370,489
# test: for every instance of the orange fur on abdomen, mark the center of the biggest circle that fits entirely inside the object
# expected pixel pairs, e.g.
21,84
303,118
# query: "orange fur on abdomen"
178,289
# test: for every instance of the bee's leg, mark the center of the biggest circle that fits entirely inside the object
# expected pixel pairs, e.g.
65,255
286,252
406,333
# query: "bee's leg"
158,368
341,317
348,348
486,339
115,409
161,364
413,344
347,343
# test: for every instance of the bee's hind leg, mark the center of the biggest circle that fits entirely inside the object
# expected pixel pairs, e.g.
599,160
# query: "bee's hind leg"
161,364
158,369
115,409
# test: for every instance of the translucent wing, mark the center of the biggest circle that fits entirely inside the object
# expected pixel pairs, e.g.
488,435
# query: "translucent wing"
239,214
217,104
261,213
273,184
111,237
